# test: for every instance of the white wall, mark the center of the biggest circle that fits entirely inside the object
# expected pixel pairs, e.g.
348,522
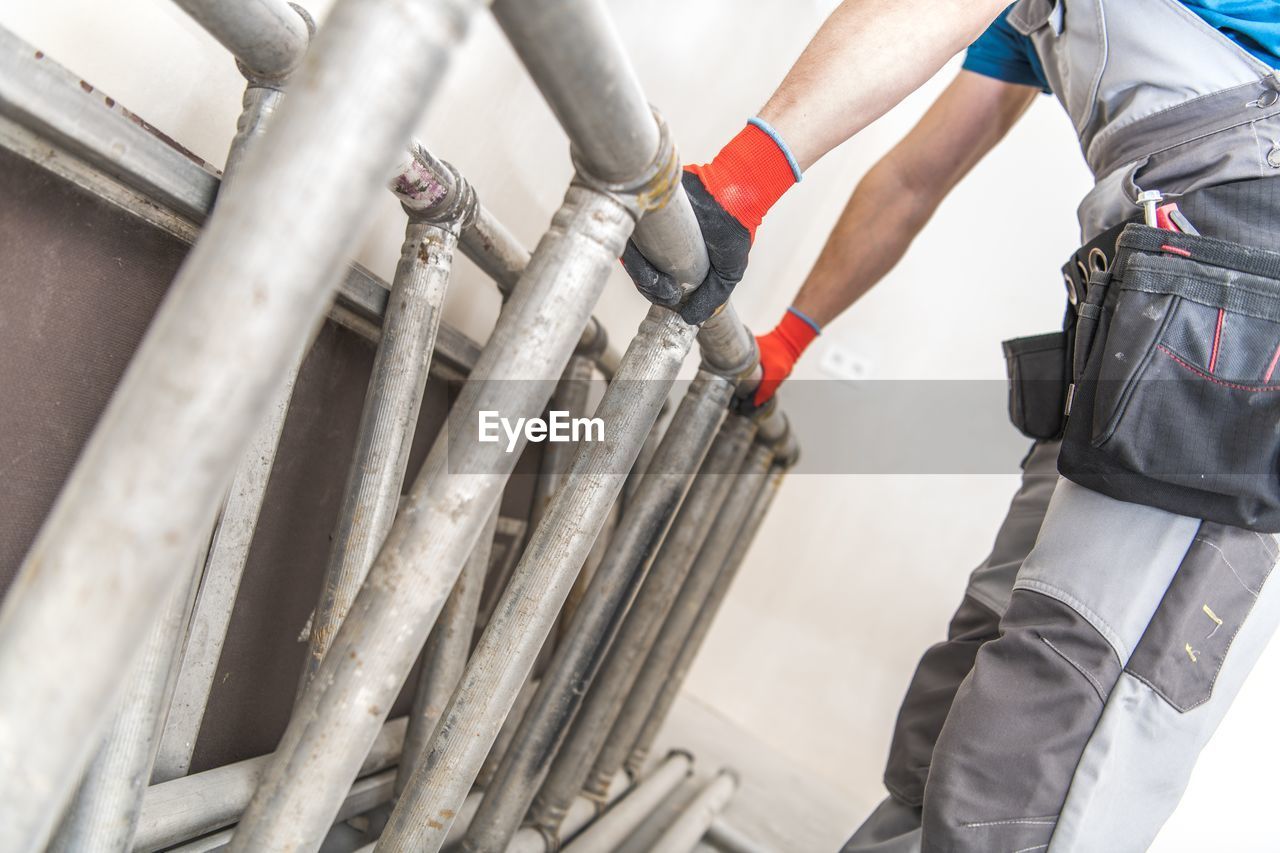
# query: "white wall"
852,576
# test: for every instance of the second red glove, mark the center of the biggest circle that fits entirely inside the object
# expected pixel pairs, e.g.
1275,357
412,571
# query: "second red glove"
780,349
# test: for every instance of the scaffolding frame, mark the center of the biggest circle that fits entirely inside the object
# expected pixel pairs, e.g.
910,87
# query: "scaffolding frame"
399,568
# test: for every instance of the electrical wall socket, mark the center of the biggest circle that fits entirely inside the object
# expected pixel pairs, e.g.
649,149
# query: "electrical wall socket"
840,362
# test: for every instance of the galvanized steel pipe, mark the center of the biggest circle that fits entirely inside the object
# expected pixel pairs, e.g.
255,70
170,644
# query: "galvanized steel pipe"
506,734
683,613
579,654
103,815
391,405
687,830
764,489
224,563
581,814
459,484
182,809
268,36
488,243
365,794
445,657
228,550
522,620
255,285
615,826
570,397
572,50
627,652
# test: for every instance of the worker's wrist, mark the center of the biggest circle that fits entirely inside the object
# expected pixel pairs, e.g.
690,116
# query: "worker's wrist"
796,330
750,174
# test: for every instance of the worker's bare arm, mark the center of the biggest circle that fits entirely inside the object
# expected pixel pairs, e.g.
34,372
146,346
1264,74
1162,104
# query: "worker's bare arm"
897,196
868,56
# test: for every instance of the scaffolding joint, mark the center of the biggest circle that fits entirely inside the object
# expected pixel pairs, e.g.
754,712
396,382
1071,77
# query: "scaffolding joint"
435,192
651,189
276,80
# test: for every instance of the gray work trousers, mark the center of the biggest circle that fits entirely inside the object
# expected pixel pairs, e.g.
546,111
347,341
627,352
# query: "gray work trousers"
1093,655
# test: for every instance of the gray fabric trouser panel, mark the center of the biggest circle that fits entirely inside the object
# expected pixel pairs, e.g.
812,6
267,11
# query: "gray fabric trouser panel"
977,620
1046,729
1173,693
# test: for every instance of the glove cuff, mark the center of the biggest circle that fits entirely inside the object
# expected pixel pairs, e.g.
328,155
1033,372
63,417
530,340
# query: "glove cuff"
750,174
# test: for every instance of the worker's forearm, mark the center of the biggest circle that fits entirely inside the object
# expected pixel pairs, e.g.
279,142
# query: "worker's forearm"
881,219
867,57
896,198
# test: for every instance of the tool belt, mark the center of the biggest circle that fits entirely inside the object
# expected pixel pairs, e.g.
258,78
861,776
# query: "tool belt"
1039,366
1174,400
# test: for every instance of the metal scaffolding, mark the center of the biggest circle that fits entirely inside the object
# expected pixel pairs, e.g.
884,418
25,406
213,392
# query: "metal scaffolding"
149,538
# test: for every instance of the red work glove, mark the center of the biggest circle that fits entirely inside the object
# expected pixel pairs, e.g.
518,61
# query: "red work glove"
730,196
780,349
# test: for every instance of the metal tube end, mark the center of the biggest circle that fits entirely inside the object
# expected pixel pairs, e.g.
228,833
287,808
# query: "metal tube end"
434,190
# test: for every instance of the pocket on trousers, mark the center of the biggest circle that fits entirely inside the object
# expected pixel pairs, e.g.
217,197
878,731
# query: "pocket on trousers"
1180,383
1185,645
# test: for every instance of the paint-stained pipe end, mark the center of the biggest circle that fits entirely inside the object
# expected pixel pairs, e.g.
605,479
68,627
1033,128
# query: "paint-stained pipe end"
433,190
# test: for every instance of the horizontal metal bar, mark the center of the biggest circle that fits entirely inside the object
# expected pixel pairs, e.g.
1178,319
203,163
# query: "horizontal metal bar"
191,806
41,95
269,37
116,155
365,794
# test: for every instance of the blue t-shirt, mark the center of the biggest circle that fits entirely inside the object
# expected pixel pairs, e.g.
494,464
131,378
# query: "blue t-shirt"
1005,54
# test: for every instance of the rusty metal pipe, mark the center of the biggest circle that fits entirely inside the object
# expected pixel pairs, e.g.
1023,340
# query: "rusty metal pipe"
523,619
460,483
628,650
446,653
684,613
147,484
765,489
392,403
594,624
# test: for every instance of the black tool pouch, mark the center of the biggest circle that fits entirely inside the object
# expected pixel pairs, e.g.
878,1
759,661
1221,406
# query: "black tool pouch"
1038,377
1176,395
